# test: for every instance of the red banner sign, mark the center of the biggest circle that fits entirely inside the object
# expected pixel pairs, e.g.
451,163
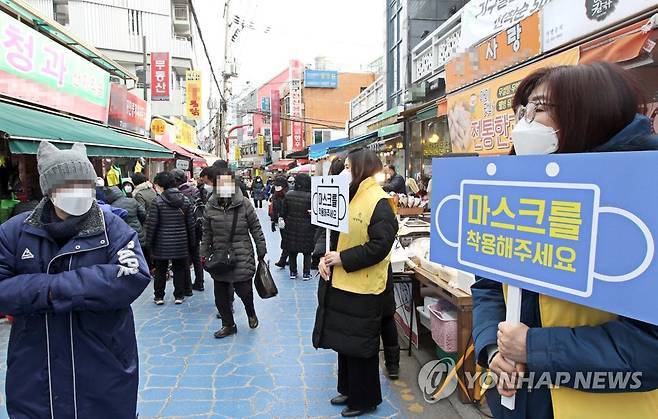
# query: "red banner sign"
276,119
127,111
160,76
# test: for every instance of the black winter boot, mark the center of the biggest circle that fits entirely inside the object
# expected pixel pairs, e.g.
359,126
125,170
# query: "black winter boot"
392,361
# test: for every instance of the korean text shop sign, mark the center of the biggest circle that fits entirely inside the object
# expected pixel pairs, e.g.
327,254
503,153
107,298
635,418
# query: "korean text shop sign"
127,111
514,45
584,17
160,76
481,118
579,227
38,70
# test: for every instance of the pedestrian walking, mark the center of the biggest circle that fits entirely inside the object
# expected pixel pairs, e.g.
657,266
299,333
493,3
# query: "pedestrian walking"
136,213
291,183
191,192
170,235
276,217
355,276
574,109
229,225
268,188
258,192
299,230
69,271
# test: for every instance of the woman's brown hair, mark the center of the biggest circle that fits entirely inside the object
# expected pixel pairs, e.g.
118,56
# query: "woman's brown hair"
590,103
364,163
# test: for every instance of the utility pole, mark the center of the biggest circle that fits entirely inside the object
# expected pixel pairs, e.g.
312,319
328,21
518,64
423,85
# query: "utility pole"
223,141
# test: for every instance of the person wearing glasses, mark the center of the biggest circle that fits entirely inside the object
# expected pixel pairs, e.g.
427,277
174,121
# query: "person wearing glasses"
570,109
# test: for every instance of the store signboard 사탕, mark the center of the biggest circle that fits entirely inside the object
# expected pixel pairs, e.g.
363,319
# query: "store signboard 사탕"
36,69
330,197
569,226
512,46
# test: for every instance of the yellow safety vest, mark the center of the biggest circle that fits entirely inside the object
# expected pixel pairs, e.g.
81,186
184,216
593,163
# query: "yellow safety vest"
371,280
569,403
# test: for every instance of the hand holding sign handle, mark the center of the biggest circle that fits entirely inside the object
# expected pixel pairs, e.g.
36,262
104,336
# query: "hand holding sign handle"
513,316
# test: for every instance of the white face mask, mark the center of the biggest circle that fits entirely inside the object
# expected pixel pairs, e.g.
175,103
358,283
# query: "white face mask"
128,189
73,202
208,189
534,138
226,191
278,188
348,174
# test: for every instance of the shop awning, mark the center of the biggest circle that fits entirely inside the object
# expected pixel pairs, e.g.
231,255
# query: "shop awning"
354,142
623,45
319,151
180,151
283,164
393,129
27,127
301,154
208,157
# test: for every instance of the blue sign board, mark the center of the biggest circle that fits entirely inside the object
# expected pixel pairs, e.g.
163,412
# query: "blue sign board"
579,227
265,104
321,78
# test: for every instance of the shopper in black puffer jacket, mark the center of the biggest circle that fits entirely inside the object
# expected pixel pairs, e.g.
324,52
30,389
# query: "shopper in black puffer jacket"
258,192
170,235
136,213
299,231
226,203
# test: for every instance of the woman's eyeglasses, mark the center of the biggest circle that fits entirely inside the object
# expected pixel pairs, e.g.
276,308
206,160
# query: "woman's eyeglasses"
529,111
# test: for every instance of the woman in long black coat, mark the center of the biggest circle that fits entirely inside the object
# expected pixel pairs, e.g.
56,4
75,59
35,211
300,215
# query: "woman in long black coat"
349,321
226,203
299,231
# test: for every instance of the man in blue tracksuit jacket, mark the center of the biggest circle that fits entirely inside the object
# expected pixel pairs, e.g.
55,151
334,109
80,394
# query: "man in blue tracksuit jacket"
69,271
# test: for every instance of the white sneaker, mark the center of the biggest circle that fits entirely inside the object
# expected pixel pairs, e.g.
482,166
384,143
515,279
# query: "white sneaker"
179,301
159,302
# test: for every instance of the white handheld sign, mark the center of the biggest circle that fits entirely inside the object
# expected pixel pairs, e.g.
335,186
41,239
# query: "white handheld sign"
329,201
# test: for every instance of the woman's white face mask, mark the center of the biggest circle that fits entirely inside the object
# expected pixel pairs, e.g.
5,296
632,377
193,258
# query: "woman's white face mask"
534,138
347,174
278,188
75,201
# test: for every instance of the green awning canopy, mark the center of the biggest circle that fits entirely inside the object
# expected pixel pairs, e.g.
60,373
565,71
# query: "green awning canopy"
27,127
428,113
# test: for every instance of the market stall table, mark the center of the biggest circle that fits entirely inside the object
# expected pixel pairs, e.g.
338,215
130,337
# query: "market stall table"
464,304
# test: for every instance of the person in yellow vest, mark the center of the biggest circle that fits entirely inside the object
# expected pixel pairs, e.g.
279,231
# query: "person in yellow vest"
606,365
351,294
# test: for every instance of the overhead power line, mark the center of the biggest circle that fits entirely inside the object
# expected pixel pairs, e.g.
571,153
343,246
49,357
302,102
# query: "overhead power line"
205,49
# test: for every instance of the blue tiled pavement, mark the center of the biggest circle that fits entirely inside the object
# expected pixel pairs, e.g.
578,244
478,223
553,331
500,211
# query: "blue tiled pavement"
270,372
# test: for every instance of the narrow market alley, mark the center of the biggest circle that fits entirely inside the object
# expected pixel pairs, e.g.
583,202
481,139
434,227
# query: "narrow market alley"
270,372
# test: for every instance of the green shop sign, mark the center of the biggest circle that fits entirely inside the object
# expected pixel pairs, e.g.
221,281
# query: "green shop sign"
37,69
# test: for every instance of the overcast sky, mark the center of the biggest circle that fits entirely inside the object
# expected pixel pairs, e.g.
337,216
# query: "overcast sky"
350,33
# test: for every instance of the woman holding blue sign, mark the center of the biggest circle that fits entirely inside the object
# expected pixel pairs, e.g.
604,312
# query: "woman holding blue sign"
350,307
575,109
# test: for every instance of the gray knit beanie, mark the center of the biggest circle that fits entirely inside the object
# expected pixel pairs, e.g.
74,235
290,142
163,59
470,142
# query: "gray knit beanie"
56,167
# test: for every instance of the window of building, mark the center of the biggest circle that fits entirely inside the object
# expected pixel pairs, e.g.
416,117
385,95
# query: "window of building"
321,135
135,22
180,12
61,11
